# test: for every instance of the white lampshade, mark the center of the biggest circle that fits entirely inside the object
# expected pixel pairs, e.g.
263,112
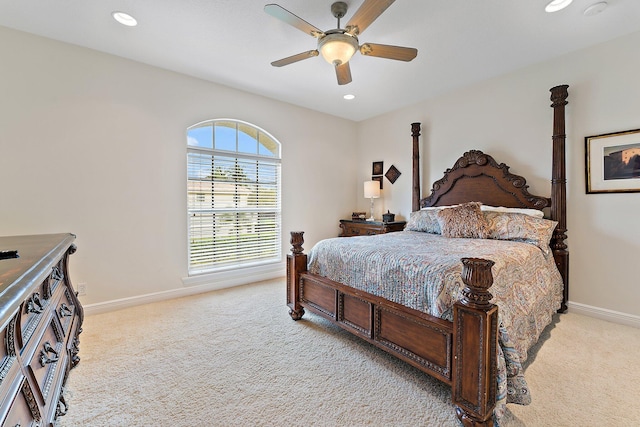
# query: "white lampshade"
371,189
337,48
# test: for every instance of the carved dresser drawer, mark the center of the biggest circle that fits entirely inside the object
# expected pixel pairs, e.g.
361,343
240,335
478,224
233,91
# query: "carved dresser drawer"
369,228
47,357
23,409
33,310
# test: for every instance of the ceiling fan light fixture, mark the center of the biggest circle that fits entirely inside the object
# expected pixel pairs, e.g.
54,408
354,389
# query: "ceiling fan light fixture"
337,48
556,5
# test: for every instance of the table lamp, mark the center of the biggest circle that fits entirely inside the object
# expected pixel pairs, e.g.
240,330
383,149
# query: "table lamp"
371,191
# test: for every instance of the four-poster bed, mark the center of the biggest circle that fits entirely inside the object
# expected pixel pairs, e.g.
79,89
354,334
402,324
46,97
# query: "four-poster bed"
459,345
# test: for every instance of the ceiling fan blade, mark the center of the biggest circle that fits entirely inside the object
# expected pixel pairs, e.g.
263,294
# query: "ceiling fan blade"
295,58
398,53
366,14
284,15
343,72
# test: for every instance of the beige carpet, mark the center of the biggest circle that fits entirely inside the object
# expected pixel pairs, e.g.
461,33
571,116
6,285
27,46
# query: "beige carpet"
235,358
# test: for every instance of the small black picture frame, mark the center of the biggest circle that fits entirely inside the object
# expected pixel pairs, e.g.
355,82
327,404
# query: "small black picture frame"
392,174
377,168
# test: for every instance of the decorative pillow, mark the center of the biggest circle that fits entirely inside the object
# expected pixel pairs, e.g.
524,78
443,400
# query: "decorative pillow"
533,212
423,220
465,220
520,227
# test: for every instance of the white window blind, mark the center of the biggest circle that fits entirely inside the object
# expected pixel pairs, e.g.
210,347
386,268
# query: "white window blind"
233,187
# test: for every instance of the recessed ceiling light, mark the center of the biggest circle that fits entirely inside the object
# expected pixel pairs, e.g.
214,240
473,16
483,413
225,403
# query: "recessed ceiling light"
125,19
556,5
349,97
595,8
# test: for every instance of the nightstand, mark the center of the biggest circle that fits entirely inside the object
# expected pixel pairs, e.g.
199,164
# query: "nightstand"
367,228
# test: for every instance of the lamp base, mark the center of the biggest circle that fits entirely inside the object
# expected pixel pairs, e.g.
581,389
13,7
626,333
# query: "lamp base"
371,218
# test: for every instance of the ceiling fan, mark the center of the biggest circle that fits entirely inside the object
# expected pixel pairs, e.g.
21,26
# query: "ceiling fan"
337,46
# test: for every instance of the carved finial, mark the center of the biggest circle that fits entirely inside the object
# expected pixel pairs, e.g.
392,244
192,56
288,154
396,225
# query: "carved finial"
559,95
296,241
415,129
476,274
476,157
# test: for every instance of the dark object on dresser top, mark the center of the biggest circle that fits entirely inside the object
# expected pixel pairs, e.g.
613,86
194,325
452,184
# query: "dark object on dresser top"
9,254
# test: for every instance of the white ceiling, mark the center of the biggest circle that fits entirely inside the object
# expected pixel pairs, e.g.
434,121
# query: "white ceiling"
233,42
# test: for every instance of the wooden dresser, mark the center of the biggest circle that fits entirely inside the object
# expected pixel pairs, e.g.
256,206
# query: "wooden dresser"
367,228
41,319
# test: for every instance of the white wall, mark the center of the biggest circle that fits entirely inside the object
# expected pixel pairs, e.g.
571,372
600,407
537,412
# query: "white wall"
511,119
95,145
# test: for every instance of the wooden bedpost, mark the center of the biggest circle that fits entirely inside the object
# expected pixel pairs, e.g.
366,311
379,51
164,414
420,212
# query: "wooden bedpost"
296,264
475,331
559,96
415,133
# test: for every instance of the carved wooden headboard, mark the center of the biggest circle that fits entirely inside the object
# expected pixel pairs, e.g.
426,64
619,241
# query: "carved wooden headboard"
477,177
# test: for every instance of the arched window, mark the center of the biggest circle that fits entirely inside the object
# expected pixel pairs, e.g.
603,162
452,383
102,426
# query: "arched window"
233,187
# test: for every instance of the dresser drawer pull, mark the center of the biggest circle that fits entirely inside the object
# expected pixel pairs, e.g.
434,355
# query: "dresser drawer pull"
56,274
34,305
44,354
65,311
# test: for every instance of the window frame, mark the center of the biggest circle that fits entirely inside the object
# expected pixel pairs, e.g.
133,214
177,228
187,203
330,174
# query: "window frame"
239,157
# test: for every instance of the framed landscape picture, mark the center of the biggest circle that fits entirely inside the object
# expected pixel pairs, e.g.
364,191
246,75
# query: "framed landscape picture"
613,162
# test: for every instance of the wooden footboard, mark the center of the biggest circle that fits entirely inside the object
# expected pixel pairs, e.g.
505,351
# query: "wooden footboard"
462,353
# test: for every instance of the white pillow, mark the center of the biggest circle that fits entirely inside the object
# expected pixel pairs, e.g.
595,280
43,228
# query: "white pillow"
437,208
531,212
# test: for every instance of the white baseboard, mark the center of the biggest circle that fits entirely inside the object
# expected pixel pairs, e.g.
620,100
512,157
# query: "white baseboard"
193,285
211,282
605,314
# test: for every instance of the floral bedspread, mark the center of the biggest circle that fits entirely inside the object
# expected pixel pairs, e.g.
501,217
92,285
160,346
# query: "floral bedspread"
423,271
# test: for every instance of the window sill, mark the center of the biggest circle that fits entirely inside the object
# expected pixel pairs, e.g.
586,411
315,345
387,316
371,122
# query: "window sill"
236,276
